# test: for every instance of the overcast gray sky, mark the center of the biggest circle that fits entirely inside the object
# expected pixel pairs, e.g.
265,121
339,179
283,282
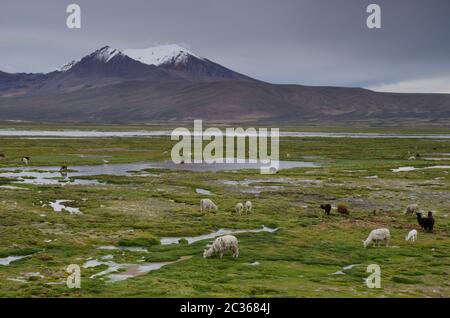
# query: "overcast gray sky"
311,42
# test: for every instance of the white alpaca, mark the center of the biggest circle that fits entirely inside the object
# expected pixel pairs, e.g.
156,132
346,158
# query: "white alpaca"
412,236
207,205
239,208
412,209
378,235
248,206
221,245
26,160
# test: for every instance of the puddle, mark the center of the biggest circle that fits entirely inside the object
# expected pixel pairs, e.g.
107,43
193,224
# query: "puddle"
131,270
123,248
203,191
437,159
58,206
92,263
13,188
18,280
44,176
246,185
349,266
406,169
338,273
251,185
220,232
8,260
253,264
371,177
345,268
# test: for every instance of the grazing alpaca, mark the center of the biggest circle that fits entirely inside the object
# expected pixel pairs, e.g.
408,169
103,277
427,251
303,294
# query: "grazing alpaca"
343,209
412,236
326,207
221,245
426,223
26,160
248,207
207,205
239,208
412,208
378,235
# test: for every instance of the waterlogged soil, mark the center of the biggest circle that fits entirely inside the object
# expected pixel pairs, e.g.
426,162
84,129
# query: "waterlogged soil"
54,175
129,218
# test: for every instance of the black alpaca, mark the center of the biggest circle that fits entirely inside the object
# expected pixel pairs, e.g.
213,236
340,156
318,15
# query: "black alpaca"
326,207
426,223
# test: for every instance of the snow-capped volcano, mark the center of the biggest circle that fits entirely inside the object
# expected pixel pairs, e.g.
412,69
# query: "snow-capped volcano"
110,66
161,55
180,62
105,54
177,58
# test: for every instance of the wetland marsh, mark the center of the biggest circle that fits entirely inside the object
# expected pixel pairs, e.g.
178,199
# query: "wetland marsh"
137,212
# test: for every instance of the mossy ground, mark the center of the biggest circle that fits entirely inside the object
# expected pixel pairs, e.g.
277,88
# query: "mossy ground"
295,261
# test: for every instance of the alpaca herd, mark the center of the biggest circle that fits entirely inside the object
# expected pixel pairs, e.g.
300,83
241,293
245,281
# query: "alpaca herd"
376,236
209,206
379,235
226,242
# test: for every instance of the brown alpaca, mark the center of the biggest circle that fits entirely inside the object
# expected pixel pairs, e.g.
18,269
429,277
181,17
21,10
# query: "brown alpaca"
343,209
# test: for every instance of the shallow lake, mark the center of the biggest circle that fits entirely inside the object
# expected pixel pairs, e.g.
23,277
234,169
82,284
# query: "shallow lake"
159,133
52,176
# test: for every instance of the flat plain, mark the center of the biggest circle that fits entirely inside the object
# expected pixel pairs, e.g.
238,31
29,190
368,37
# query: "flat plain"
123,219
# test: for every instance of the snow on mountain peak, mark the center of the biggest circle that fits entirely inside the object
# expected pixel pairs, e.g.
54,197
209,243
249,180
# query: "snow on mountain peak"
105,54
68,66
160,55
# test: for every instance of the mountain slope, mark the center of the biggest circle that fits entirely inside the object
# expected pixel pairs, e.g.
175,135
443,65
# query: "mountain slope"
144,101
177,58
20,83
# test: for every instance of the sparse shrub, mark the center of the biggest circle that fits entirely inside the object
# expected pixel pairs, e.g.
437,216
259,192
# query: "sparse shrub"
183,241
